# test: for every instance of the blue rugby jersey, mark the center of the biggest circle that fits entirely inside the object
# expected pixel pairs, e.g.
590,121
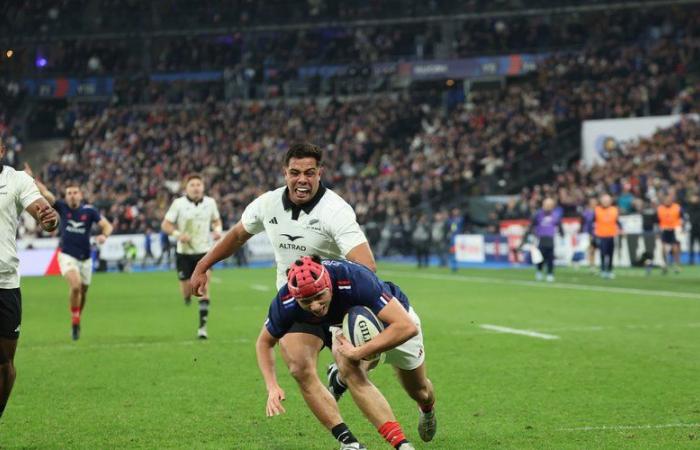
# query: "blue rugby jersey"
75,228
353,285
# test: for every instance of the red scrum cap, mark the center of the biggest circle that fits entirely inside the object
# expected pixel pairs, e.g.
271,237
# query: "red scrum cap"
307,277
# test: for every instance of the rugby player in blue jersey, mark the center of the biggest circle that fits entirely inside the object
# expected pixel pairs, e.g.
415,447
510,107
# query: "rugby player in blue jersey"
318,295
77,219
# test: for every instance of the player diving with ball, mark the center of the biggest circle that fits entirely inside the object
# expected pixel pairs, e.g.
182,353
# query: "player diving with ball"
319,294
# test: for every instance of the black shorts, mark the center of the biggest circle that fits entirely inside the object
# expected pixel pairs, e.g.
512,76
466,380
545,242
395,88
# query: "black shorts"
185,265
320,331
10,313
668,237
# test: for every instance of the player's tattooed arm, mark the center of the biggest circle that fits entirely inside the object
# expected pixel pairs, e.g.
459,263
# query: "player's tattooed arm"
44,214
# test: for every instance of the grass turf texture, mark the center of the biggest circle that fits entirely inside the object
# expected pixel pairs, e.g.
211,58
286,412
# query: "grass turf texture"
139,379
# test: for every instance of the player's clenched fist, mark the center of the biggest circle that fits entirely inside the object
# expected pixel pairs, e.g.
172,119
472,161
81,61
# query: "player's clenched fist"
48,218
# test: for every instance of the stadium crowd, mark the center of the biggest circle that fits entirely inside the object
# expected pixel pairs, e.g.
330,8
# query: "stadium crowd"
288,50
393,157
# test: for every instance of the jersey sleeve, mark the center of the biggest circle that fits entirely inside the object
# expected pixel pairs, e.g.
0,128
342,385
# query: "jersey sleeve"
96,216
171,215
370,291
252,218
345,230
27,192
280,316
215,211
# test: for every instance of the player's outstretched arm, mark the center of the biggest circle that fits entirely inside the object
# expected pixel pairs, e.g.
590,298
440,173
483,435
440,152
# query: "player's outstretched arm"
44,214
224,247
362,254
400,329
264,348
43,190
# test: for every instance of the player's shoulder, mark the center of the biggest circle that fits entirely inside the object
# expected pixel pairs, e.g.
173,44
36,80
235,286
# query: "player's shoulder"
271,199
209,200
89,206
284,298
331,204
14,176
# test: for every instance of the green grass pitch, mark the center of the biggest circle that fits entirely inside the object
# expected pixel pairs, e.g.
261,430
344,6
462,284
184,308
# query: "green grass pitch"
623,371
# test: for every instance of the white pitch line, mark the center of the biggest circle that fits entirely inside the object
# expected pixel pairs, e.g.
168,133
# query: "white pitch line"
110,345
529,333
216,280
260,287
539,284
632,427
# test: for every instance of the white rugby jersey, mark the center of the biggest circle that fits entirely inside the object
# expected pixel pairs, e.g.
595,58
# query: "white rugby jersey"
194,219
17,192
325,226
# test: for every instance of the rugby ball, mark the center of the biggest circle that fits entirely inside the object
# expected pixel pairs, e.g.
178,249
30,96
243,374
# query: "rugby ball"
360,326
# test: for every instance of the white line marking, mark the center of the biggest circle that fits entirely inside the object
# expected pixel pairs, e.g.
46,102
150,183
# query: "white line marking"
260,287
632,427
581,287
529,333
216,280
110,345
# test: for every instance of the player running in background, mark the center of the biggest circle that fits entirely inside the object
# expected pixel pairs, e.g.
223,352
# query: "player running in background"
319,294
190,220
670,221
300,218
74,258
588,227
544,225
17,193
607,228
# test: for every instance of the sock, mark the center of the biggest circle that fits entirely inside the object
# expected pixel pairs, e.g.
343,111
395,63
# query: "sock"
392,432
427,408
75,315
343,434
203,312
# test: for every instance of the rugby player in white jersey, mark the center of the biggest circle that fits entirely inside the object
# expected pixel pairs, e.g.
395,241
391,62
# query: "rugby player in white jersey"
17,193
301,218
190,219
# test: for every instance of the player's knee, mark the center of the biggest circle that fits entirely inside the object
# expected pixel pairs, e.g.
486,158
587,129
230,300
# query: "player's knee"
352,374
7,369
302,371
75,290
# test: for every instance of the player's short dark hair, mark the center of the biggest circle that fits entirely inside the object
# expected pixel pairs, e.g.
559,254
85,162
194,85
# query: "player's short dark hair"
194,176
71,184
304,150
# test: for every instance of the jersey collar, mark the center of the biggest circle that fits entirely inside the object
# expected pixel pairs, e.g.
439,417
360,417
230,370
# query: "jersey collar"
195,203
306,207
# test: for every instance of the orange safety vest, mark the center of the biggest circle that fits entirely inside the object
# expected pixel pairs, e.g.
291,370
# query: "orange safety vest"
669,216
606,221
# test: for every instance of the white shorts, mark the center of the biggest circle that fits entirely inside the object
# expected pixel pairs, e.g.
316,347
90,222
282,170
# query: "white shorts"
411,353
68,263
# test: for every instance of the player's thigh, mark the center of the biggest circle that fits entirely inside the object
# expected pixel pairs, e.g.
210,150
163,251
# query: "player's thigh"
10,321
301,345
410,354
86,272
70,269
